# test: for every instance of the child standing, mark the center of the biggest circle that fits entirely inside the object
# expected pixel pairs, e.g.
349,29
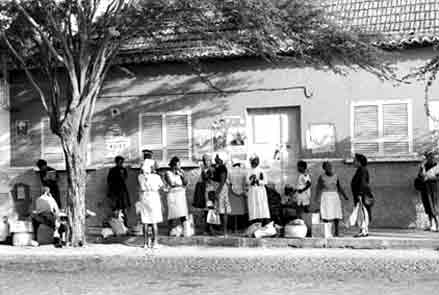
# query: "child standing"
329,189
303,190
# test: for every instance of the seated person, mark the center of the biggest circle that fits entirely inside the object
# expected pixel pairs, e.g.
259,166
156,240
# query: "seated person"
47,212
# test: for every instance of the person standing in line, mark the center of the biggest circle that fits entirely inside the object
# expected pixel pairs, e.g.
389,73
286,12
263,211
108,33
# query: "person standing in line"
257,200
118,190
222,191
329,189
177,203
361,192
200,192
428,173
303,190
149,206
49,178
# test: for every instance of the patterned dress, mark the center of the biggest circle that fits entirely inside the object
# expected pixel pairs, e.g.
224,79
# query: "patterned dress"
257,195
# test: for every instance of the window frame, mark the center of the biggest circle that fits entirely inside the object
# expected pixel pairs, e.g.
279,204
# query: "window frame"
164,146
381,138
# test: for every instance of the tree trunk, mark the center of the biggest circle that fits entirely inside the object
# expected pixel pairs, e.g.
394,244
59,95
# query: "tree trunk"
75,153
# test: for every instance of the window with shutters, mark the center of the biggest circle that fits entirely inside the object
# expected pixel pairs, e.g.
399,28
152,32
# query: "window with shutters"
166,134
382,129
51,149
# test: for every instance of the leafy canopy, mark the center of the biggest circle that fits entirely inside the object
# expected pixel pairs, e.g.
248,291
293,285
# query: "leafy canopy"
81,38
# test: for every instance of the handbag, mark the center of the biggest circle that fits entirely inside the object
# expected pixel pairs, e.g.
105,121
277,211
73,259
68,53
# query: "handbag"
369,199
213,217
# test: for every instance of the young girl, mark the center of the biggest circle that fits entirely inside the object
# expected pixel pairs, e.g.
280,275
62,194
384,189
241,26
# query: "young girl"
329,189
149,206
302,190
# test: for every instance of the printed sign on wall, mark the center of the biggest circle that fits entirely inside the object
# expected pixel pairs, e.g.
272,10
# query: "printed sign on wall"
321,138
229,136
116,143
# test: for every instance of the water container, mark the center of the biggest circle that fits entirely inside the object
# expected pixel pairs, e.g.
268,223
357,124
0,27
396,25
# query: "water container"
22,239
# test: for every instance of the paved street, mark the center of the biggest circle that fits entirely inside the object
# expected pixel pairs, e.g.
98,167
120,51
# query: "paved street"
116,269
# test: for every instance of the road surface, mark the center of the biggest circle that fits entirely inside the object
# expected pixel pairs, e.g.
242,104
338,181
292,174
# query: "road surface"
117,269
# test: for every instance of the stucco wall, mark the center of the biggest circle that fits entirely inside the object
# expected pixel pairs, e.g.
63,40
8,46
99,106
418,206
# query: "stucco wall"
155,88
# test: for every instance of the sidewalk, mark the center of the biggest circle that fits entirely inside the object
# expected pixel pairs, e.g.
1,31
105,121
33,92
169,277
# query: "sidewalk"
378,239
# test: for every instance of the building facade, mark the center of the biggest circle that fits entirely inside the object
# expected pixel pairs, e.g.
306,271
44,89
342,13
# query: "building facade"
282,113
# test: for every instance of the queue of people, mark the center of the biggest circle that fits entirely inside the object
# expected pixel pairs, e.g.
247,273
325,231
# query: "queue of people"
219,190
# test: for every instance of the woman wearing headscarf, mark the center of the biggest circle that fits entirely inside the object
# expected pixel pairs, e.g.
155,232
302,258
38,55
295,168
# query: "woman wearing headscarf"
257,201
149,206
361,192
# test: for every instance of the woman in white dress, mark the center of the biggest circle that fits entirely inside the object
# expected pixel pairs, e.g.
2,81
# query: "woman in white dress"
257,200
149,206
177,203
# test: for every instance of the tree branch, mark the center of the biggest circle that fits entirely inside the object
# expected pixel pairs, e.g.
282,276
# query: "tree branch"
37,29
27,71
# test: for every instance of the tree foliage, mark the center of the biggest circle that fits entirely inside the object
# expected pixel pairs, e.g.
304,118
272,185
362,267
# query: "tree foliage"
66,48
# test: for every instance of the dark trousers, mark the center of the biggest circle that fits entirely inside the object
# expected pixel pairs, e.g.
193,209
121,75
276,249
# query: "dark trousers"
46,218
429,199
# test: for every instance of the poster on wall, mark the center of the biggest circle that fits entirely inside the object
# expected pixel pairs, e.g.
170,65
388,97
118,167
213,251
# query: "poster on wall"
321,138
116,143
202,143
22,128
229,136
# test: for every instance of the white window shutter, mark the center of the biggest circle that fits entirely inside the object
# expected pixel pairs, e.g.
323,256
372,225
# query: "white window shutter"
51,144
366,148
395,129
395,120
152,134
366,122
178,136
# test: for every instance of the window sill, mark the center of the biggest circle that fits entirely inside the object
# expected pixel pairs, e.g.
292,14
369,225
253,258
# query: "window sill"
402,159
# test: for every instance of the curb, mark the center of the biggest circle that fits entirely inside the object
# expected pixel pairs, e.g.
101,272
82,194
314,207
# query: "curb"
242,242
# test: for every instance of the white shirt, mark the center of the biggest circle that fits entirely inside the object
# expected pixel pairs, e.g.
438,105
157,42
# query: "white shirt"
46,203
304,197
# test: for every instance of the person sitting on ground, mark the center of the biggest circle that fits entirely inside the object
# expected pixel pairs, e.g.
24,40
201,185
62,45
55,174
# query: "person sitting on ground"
47,212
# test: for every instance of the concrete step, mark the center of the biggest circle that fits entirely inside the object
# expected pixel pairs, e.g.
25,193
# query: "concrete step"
371,242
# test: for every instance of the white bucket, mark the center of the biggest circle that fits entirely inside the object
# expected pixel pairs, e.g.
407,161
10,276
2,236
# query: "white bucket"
22,239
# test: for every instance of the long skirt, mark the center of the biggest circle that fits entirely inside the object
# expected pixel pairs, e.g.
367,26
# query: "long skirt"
330,206
258,203
149,207
177,204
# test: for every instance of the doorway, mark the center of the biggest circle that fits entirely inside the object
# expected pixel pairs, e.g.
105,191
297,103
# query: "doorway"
274,135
